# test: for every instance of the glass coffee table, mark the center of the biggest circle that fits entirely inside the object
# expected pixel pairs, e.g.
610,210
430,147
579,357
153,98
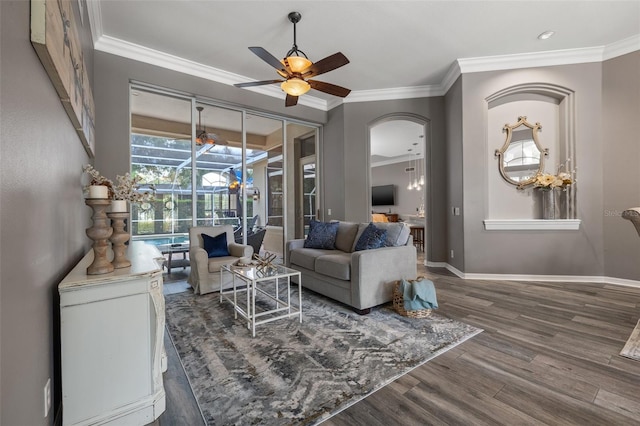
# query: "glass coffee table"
249,282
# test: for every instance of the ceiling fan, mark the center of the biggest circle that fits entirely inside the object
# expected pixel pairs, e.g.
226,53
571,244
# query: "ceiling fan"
297,70
205,138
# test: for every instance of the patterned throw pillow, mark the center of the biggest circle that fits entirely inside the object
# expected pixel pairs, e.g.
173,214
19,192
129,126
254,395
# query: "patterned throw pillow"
322,235
216,246
371,238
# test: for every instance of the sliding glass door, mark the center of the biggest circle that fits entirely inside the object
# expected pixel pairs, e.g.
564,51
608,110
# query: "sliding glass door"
219,165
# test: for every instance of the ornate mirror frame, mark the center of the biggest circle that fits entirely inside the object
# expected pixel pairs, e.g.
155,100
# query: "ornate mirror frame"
500,153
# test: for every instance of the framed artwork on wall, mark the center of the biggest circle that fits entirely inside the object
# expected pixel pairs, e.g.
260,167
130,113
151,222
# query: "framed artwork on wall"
54,36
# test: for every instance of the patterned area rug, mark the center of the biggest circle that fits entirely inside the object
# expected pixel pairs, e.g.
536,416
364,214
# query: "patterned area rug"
632,347
293,373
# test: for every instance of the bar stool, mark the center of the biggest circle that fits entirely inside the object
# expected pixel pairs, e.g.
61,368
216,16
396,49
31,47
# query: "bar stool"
417,232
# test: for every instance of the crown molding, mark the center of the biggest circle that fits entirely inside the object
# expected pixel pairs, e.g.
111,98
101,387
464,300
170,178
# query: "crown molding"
621,47
394,93
461,66
95,20
531,60
144,54
450,77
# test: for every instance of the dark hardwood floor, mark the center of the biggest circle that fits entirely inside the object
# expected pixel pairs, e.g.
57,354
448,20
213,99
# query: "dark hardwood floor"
549,355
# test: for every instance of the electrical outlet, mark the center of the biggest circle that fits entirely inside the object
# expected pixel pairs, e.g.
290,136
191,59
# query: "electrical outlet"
452,254
47,397
329,212
456,211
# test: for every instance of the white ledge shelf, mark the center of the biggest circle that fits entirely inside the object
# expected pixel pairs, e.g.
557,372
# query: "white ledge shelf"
531,225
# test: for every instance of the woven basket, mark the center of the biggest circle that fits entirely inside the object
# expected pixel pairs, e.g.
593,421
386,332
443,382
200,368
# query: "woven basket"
398,303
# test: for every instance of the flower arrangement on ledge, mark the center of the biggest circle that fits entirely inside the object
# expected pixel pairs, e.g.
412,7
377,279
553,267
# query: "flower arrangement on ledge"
126,188
562,179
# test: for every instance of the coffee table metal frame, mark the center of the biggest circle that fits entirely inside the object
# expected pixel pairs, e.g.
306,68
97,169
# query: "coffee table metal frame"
252,279
172,249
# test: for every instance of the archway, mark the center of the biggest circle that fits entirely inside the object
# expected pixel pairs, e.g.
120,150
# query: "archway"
399,173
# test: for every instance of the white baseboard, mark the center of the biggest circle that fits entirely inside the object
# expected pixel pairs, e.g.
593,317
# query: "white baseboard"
526,277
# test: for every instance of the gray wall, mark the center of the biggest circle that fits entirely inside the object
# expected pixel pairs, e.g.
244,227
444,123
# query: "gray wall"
454,161
333,165
621,163
42,219
529,252
357,117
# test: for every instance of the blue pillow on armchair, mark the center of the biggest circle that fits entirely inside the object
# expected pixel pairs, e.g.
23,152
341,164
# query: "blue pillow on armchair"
216,246
371,238
322,235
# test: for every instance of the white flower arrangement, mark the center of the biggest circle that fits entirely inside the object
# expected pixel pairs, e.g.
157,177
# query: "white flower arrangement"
546,181
127,187
96,179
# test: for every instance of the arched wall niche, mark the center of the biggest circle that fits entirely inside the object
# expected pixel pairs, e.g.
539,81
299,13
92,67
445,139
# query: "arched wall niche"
554,107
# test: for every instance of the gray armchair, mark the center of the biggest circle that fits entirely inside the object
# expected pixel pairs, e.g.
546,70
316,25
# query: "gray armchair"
205,271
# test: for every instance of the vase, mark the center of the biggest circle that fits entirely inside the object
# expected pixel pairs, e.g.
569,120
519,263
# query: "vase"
99,233
119,206
98,191
118,239
554,204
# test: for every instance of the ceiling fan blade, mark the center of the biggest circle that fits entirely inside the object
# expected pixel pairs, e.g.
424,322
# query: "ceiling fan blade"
270,59
257,83
291,100
329,88
327,64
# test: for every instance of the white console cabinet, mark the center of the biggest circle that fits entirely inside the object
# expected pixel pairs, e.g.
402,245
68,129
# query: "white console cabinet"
112,329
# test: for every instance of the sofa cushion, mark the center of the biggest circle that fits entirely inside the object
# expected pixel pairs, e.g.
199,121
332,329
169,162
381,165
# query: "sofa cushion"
215,246
335,266
361,228
215,263
346,236
306,257
322,235
371,238
397,233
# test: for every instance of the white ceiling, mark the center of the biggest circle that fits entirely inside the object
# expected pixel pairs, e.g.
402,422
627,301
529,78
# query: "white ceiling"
397,49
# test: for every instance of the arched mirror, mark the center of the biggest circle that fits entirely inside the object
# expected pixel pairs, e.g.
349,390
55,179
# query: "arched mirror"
521,157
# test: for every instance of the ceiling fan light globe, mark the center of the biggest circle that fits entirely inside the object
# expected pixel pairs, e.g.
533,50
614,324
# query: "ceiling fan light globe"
204,139
295,87
297,63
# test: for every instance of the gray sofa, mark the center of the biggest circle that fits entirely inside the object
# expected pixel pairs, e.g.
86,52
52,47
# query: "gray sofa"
360,279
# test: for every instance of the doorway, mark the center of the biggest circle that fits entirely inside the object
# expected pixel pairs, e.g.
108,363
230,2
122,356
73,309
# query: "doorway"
399,169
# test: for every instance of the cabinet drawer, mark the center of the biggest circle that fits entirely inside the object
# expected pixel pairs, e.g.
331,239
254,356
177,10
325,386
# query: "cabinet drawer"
104,291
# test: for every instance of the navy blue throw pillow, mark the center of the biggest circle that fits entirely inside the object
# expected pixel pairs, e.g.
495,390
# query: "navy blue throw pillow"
371,238
216,246
322,235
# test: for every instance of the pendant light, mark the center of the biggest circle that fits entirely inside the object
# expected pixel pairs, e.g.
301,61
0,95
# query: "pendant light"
410,186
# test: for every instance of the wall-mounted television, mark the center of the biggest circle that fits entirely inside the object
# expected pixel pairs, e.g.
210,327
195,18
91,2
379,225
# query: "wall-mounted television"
383,195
